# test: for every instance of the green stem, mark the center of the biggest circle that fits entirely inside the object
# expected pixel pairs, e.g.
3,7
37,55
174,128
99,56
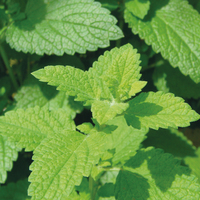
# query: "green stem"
6,61
28,64
93,186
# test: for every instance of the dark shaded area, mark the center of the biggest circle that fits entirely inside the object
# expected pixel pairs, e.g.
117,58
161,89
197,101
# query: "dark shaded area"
129,186
154,6
195,104
163,167
107,190
169,142
34,13
20,168
64,60
139,108
84,116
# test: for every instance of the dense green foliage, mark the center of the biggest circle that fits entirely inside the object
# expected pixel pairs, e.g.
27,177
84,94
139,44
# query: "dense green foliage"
95,98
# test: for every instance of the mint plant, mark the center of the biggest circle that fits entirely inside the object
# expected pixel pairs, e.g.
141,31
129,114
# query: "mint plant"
131,147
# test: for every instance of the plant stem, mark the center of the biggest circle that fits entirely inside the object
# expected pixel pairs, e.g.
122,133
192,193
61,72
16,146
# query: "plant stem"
28,64
6,61
93,186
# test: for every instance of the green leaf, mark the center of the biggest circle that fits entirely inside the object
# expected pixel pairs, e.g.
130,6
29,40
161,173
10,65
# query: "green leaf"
125,140
171,28
106,190
111,4
28,128
63,27
15,191
84,186
165,79
113,79
120,70
34,93
105,110
110,176
8,154
171,141
60,161
85,127
194,163
117,70
74,81
139,8
156,110
152,174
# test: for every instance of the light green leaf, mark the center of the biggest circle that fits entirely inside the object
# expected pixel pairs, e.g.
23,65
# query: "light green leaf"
171,28
97,172
113,79
34,93
61,161
85,127
165,79
15,191
156,110
63,27
125,140
152,174
8,154
139,8
194,163
105,110
120,70
74,81
114,76
110,176
28,128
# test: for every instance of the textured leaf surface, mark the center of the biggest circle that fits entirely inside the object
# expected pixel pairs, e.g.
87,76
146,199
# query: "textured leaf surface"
139,8
194,163
152,174
171,141
168,79
8,154
63,26
113,79
156,110
117,70
28,128
34,93
171,27
124,139
120,70
86,127
15,191
74,81
60,162
105,110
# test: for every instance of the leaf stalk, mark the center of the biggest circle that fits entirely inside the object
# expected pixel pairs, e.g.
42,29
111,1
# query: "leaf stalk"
6,62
